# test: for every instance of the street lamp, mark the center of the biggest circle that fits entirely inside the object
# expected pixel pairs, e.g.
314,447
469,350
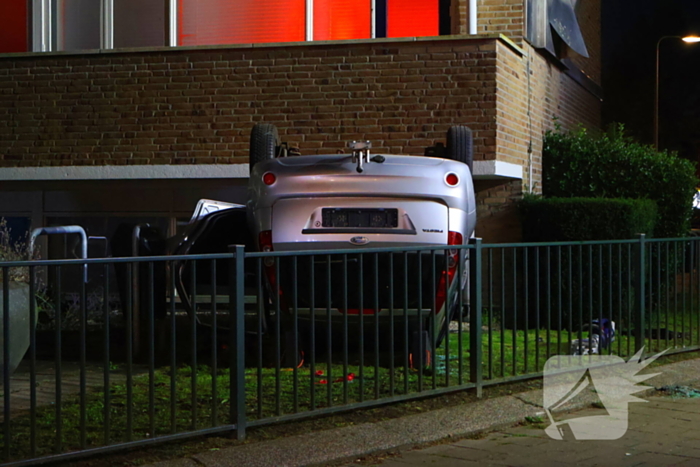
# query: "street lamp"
687,40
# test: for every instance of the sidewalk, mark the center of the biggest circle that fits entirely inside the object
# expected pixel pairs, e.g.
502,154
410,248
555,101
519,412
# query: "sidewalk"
663,432
350,443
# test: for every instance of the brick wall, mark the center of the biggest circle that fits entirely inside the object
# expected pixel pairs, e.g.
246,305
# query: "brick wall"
496,210
459,14
502,16
529,98
531,93
197,106
493,16
187,107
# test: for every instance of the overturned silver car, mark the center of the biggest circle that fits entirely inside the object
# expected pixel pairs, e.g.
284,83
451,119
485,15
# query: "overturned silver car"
359,201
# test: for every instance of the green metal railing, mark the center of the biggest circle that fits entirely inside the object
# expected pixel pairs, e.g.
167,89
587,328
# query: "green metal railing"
242,339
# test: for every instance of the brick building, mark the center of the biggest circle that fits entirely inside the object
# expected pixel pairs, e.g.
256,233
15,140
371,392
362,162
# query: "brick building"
104,119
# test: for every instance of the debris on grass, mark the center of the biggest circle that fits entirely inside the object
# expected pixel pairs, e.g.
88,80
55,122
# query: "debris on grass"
680,391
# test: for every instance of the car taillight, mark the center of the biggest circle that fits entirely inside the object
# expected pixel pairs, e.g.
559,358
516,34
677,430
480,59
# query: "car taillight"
452,179
269,178
453,238
265,242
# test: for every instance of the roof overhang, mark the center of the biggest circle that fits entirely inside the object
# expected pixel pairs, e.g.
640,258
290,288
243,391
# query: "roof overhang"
494,170
483,170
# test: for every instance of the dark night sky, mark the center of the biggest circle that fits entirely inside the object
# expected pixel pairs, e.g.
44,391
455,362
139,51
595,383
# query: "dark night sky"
631,29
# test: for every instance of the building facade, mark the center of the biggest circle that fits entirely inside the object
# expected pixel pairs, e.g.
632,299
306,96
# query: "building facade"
102,123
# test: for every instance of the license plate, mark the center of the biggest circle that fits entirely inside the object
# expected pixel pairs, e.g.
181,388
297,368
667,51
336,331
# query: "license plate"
350,217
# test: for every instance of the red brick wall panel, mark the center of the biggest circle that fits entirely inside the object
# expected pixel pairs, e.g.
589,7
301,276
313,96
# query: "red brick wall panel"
177,106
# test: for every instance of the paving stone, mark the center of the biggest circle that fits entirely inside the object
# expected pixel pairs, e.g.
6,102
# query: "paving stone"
177,463
396,463
658,460
528,431
692,451
685,463
434,459
521,439
569,456
459,452
607,454
476,443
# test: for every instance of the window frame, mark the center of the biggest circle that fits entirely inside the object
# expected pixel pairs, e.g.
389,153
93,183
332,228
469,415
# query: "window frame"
44,30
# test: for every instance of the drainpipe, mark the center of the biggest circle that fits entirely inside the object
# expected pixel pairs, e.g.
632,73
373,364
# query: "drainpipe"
472,16
531,184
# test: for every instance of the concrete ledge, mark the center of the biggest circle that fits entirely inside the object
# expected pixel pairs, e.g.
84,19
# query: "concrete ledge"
493,170
264,45
483,170
125,172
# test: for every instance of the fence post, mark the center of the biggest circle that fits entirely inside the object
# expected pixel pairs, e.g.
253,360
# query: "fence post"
237,343
6,361
640,295
475,370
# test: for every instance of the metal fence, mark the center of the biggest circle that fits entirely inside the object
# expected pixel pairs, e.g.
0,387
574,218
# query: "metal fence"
166,348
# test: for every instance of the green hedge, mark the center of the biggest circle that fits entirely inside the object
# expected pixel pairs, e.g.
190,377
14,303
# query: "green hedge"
613,166
568,219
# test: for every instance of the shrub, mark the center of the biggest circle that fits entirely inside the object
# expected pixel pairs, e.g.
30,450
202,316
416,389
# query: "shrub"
568,219
613,166
14,251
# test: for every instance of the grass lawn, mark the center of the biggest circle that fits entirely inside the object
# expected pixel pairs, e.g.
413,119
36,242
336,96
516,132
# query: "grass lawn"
186,400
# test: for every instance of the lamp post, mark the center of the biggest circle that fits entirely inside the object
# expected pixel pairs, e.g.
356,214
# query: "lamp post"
686,39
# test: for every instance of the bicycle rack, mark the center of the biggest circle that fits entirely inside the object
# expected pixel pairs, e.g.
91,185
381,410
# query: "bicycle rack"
63,230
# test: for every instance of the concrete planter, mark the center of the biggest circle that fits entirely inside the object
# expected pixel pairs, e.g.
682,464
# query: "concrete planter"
19,324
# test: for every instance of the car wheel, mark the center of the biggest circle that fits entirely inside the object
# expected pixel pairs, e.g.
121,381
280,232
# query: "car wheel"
264,141
459,145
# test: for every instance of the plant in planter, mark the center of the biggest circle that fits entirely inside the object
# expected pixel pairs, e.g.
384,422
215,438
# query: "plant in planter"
18,298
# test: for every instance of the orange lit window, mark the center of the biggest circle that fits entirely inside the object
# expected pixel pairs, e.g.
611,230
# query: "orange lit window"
342,19
412,18
13,26
209,22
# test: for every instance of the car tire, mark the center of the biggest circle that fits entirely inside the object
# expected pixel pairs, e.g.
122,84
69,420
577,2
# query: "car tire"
460,146
443,329
419,344
264,141
292,346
